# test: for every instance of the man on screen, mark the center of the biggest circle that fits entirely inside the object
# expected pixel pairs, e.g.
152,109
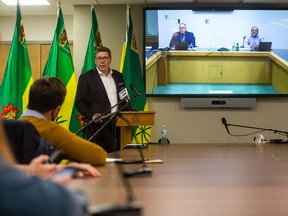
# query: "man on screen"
253,40
183,36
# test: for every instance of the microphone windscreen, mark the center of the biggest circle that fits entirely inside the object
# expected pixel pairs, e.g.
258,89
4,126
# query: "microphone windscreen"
224,121
123,94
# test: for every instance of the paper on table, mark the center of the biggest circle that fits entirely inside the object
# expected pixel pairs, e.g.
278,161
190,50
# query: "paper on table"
112,160
154,161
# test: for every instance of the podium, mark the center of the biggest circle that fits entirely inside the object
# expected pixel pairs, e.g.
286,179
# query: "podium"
134,118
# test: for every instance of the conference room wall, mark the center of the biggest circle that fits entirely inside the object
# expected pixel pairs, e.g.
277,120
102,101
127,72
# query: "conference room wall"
37,28
184,125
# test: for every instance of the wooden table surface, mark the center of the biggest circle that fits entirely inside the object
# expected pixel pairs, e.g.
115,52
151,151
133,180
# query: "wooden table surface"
222,179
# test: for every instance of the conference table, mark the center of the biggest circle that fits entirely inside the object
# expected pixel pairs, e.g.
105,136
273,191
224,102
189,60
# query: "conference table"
198,179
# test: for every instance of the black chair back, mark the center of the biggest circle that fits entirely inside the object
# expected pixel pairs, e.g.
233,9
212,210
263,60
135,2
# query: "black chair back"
25,141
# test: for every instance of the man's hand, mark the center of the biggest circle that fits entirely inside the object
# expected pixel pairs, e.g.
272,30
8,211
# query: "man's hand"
38,168
85,170
97,118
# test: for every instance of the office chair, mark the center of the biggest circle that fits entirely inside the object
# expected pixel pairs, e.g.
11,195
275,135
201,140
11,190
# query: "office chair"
25,141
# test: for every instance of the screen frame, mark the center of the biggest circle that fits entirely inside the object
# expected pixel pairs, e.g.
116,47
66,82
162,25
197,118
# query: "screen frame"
210,7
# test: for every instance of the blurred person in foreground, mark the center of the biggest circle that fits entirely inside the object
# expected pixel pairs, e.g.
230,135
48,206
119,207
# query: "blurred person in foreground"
46,96
39,190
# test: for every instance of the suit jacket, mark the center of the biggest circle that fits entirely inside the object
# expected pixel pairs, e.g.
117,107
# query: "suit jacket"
189,38
91,96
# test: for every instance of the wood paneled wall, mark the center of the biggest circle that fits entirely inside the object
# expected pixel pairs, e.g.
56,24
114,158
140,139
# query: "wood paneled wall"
38,54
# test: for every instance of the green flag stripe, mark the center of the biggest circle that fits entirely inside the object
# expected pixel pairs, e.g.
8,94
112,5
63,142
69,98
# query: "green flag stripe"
132,73
60,64
17,75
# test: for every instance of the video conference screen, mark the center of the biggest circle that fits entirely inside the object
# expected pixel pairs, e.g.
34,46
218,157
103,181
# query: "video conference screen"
214,29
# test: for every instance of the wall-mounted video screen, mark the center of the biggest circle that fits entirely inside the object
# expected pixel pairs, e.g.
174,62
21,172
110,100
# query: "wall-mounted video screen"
219,62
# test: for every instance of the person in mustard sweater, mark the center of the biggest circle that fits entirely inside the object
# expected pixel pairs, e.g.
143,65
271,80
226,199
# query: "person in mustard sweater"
46,96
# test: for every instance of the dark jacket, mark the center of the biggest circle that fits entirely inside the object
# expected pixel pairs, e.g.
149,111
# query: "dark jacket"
189,38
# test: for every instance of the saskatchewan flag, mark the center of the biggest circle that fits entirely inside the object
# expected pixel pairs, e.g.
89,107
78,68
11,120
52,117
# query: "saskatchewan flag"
132,73
89,63
59,64
17,76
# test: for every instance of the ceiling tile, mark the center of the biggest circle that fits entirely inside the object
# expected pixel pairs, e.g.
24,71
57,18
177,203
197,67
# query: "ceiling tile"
67,5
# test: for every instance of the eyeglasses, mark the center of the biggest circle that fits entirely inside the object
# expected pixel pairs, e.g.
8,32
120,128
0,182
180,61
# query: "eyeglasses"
103,58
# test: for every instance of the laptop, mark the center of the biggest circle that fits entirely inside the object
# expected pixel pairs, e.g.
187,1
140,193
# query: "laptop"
265,46
181,46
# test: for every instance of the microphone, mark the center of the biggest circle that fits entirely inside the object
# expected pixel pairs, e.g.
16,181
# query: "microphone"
123,95
132,86
103,116
243,41
113,115
256,128
225,124
144,170
131,207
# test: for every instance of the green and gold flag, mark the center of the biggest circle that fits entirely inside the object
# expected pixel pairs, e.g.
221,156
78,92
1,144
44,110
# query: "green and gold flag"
59,64
132,73
17,76
89,63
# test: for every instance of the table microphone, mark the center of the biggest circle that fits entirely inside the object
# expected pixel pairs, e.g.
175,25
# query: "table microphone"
130,208
144,170
225,124
243,41
255,128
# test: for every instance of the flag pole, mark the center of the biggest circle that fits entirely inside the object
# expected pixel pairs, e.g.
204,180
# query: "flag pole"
58,8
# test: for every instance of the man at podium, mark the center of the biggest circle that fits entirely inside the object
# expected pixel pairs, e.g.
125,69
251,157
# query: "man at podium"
98,95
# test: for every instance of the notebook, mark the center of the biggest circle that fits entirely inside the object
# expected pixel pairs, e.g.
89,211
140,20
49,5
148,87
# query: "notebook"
181,46
265,46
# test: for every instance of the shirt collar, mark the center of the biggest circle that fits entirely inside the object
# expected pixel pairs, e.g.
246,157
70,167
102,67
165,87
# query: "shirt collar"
101,73
33,113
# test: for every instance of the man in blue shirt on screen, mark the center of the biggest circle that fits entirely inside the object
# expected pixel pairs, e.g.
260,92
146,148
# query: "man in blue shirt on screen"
183,36
253,40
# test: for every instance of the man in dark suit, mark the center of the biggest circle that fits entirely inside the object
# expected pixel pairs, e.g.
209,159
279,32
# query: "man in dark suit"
183,36
98,94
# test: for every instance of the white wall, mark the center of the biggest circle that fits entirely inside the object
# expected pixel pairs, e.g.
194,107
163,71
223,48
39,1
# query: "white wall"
37,28
221,29
184,126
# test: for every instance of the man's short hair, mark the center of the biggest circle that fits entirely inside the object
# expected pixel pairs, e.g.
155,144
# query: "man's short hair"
46,93
103,49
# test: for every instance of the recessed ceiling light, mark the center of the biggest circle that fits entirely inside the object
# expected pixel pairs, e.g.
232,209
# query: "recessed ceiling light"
26,2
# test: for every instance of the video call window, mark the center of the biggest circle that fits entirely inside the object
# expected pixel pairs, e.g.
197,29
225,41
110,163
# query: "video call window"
215,30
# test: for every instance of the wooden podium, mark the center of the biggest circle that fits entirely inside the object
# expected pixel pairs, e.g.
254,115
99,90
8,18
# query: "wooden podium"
134,118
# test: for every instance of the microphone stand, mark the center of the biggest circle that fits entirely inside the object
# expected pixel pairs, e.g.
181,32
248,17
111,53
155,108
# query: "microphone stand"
256,128
144,170
131,207
113,116
243,42
103,115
